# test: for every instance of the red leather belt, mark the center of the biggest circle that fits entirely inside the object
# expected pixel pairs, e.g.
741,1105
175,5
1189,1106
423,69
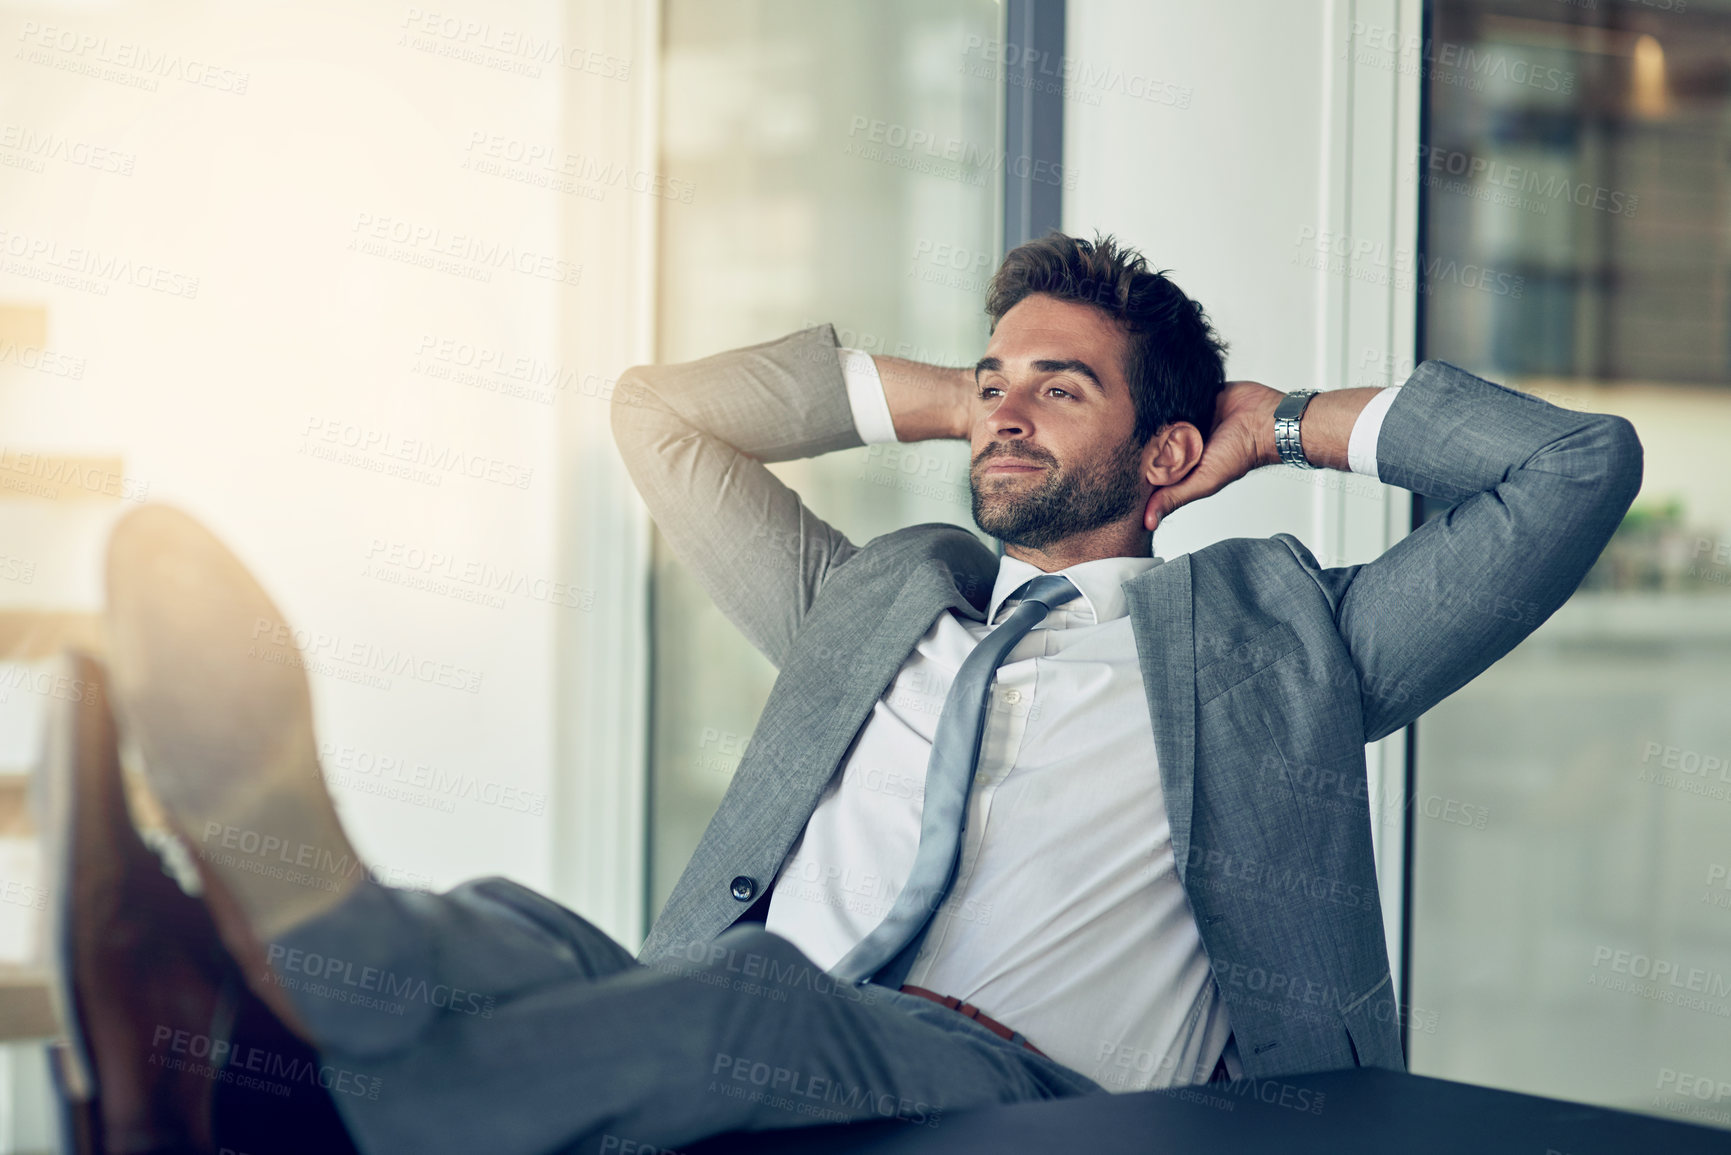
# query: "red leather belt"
974,1013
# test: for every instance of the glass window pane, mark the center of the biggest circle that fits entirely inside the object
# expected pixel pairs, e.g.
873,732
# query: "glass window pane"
842,169
1575,939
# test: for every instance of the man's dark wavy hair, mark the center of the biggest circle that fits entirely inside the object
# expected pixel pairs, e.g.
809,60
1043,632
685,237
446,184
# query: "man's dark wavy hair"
1175,362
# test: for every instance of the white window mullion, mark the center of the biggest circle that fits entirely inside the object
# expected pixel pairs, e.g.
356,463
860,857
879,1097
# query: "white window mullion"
1369,328
600,796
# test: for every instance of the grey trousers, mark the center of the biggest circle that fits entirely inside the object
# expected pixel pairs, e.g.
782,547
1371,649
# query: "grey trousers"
491,1018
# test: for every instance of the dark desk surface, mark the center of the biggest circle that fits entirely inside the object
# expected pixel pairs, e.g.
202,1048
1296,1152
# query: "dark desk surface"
1358,1111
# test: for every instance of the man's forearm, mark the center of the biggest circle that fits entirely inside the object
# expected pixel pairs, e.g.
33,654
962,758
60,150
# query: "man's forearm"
926,402
1325,429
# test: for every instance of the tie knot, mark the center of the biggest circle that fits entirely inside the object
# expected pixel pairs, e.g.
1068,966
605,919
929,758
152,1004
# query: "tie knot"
1050,590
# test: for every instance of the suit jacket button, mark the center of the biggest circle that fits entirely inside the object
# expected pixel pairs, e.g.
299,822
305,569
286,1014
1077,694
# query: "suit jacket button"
743,888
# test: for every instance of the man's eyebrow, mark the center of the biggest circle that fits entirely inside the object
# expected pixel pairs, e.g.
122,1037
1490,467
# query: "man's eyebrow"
1072,366
992,364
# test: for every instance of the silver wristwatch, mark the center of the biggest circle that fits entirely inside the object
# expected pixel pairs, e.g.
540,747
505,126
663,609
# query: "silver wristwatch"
1286,417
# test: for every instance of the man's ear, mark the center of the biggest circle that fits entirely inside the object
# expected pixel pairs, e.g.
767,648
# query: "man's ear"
1171,454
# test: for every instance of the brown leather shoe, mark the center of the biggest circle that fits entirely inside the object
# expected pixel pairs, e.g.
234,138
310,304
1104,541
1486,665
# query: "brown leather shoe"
209,683
158,1019
117,919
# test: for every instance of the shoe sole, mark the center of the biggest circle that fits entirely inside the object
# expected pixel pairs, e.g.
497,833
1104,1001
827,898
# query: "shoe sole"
209,683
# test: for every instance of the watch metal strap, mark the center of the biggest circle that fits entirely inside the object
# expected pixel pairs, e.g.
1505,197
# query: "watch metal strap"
1286,421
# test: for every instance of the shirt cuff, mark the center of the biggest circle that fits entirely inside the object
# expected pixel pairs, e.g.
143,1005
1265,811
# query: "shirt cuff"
1361,446
865,396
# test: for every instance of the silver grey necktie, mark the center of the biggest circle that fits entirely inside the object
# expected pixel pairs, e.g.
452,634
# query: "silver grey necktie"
949,774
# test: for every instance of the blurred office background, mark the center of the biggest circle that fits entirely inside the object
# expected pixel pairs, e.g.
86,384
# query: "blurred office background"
354,285
1585,149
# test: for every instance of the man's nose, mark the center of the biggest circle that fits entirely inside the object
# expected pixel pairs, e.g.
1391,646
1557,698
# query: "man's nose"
1011,419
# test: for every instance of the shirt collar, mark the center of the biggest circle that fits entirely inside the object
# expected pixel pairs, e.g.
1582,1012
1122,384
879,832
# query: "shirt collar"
1101,582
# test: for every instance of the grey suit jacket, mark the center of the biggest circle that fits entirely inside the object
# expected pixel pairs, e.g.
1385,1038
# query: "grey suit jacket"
1266,674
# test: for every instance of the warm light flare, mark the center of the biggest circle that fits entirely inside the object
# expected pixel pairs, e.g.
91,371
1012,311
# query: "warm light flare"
1649,93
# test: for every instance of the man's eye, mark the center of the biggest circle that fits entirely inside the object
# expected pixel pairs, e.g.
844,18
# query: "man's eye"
1062,392
987,390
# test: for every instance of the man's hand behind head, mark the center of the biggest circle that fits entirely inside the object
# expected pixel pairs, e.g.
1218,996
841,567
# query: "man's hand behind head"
1242,439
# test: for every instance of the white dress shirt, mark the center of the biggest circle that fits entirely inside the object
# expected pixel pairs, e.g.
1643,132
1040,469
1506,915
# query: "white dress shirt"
1066,919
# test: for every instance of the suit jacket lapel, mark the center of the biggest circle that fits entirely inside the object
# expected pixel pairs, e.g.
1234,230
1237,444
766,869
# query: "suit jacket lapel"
1161,618
928,592
842,662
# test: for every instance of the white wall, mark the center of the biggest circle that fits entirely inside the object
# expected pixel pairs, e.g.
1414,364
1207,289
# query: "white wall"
348,116
1213,179
249,148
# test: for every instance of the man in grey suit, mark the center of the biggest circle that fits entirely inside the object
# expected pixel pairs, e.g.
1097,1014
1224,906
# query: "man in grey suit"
1109,807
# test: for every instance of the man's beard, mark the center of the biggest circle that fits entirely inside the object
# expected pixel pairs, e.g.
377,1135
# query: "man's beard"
1066,502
